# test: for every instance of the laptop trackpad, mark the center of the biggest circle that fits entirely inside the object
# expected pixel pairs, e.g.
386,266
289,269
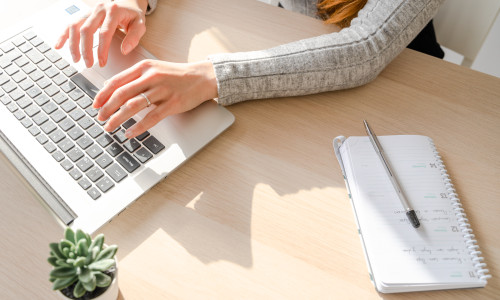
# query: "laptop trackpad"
116,63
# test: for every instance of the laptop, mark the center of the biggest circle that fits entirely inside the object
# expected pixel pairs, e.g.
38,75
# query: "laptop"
50,133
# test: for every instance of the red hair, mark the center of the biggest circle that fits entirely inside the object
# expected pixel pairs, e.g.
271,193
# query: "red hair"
339,12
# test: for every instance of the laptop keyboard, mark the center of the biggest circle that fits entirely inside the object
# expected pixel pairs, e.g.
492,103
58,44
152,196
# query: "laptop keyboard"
54,103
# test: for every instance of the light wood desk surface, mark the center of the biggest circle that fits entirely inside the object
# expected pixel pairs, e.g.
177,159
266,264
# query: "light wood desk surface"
262,212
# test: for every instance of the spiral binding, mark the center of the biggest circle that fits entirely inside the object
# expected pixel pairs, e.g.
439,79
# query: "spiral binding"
463,222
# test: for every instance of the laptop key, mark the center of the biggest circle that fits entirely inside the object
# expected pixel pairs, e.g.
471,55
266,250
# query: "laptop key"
30,67
17,94
58,115
26,84
85,142
40,118
58,156
44,65
128,162
5,99
86,122
32,110
24,102
50,147
85,164
95,131
94,193
76,94
76,114
85,183
131,145
143,155
114,149
120,136
75,173
59,79
51,90
65,145
153,145
53,56
116,172
49,108
42,139
44,82
68,87
75,154
34,130
94,174
85,102
75,133
105,184
94,151
48,127
27,123
43,47
66,124
61,64
34,92
41,100
68,106
105,140
66,164
12,107
57,136
104,161
36,75
59,98
36,41
29,35
19,115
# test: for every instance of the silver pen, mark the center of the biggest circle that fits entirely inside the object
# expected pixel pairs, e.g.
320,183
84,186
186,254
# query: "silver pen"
410,213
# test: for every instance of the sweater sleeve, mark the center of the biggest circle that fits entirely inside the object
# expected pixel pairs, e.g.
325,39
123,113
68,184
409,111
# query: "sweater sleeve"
151,6
351,57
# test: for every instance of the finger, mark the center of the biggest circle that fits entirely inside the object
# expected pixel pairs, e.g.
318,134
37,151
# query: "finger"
62,39
74,39
120,97
116,82
106,33
87,31
128,110
135,31
151,119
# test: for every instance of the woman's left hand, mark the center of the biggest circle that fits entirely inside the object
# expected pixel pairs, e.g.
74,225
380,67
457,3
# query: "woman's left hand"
170,88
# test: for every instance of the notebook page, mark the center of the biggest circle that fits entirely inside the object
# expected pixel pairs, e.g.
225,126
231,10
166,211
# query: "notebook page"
398,253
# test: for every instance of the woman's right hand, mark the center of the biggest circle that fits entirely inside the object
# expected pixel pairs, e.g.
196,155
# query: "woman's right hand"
128,15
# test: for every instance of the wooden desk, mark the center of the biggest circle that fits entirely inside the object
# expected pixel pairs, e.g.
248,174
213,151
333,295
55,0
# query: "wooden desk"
262,212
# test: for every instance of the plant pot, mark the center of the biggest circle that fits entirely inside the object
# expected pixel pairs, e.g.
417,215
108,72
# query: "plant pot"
111,293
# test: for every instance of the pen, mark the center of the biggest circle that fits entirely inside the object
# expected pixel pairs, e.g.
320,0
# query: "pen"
410,213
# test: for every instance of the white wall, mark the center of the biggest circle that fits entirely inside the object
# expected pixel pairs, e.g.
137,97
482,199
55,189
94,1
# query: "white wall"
488,58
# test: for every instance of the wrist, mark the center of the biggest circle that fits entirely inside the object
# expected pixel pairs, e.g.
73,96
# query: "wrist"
206,71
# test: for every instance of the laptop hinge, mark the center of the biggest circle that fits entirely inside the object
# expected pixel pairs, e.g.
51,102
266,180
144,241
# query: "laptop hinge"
35,180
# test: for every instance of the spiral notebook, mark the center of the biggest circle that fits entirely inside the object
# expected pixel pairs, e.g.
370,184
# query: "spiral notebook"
442,253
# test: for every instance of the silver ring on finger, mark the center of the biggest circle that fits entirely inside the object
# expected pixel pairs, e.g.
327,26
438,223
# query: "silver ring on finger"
147,99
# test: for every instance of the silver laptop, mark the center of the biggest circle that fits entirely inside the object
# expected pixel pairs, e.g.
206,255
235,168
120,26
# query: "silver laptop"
50,133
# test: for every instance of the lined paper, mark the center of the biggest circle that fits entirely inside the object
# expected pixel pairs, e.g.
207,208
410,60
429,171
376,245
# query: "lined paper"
435,254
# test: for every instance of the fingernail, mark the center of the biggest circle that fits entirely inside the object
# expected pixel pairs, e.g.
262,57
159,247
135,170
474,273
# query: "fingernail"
129,133
126,48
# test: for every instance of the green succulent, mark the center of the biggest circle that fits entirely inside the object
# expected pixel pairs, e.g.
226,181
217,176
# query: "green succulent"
78,258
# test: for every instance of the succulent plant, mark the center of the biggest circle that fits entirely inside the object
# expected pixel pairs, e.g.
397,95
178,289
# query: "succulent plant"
79,259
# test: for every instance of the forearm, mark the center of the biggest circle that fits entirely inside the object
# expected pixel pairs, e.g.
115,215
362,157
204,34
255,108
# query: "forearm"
349,58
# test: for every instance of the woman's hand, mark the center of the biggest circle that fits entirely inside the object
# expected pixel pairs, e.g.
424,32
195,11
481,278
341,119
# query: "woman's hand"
171,88
128,15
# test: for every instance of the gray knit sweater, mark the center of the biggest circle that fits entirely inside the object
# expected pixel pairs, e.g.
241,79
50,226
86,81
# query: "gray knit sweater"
352,57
